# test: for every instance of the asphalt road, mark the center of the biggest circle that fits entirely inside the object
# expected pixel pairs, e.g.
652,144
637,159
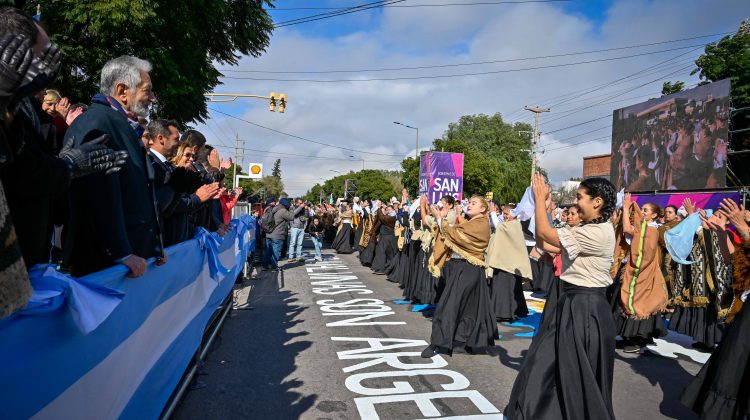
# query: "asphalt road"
321,339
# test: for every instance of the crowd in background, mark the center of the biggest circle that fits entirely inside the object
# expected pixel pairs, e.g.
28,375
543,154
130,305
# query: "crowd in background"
95,183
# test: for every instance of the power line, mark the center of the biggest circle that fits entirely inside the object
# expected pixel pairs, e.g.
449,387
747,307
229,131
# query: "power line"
577,144
425,5
583,92
385,79
497,61
299,137
341,12
298,156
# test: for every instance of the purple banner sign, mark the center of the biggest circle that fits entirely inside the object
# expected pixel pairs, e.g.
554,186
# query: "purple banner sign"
440,174
707,200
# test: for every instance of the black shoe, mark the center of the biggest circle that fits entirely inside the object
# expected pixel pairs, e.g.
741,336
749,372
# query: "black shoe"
631,348
430,352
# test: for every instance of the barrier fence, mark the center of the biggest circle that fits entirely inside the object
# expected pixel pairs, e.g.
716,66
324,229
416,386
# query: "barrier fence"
107,346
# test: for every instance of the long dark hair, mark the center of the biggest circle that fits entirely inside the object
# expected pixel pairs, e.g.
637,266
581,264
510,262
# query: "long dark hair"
602,188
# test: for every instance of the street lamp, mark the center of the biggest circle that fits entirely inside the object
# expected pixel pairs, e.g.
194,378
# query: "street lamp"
333,170
363,161
416,151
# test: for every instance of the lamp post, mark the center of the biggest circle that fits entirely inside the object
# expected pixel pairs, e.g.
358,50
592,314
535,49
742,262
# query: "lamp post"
416,151
363,161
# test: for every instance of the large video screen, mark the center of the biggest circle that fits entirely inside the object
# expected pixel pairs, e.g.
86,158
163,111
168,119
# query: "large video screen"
676,142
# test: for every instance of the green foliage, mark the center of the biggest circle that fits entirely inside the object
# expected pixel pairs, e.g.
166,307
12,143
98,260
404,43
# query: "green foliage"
276,172
229,179
370,184
669,88
729,58
494,156
410,175
183,41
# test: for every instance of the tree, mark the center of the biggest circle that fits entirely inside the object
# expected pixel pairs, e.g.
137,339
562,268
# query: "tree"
371,184
273,186
410,175
669,88
495,159
183,40
276,169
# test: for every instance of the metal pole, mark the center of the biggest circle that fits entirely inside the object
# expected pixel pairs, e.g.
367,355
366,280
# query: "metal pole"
236,155
535,139
416,151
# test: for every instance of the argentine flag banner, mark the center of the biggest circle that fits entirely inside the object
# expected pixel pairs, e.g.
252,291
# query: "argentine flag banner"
106,346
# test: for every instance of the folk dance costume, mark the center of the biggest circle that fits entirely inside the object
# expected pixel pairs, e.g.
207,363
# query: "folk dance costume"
643,293
399,265
701,288
368,241
721,390
359,218
568,371
386,247
463,315
344,241
508,264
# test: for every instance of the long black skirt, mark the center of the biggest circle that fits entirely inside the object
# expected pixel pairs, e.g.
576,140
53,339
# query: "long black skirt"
568,371
429,287
700,323
644,329
368,253
463,315
542,275
385,251
344,241
400,268
329,234
555,292
358,235
508,301
408,282
629,328
721,390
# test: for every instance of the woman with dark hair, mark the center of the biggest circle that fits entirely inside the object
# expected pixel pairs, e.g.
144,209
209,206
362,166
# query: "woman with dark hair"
568,371
642,295
345,235
386,247
463,313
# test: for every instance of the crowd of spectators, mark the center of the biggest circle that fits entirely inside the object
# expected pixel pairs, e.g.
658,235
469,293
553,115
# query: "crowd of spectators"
89,185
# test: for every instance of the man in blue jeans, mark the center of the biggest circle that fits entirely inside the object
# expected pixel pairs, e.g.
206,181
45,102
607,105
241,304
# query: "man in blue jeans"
297,232
275,239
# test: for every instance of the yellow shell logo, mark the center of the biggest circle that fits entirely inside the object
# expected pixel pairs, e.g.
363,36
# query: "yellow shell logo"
255,169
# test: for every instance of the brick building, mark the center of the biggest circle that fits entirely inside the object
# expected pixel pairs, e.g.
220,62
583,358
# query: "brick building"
597,166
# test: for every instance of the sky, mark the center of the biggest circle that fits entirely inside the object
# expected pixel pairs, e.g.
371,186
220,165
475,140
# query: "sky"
582,59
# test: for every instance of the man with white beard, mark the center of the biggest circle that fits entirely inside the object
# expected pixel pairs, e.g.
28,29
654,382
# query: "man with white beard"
114,218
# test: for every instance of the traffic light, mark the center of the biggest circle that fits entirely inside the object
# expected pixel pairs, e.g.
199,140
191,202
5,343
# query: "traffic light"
277,99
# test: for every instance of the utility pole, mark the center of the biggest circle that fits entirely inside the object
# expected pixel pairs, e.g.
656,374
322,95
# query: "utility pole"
236,159
535,138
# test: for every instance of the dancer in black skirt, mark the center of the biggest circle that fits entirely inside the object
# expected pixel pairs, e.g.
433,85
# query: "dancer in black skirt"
568,371
386,248
463,315
369,237
344,241
361,212
721,390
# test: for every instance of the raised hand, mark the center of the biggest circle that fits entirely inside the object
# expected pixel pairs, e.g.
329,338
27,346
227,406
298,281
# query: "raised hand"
689,206
540,188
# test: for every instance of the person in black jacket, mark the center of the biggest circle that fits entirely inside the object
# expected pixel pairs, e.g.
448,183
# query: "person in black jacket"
114,218
31,176
175,203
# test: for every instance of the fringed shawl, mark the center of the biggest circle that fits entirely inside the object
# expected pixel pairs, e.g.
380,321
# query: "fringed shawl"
741,269
507,250
468,239
643,291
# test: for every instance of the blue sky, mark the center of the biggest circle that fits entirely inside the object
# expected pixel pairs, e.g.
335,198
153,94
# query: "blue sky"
355,118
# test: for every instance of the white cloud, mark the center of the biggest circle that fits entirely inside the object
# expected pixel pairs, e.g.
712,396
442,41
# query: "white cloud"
360,115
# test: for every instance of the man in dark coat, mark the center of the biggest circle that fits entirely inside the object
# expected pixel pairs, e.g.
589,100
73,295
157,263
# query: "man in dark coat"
174,204
114,218
32,177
